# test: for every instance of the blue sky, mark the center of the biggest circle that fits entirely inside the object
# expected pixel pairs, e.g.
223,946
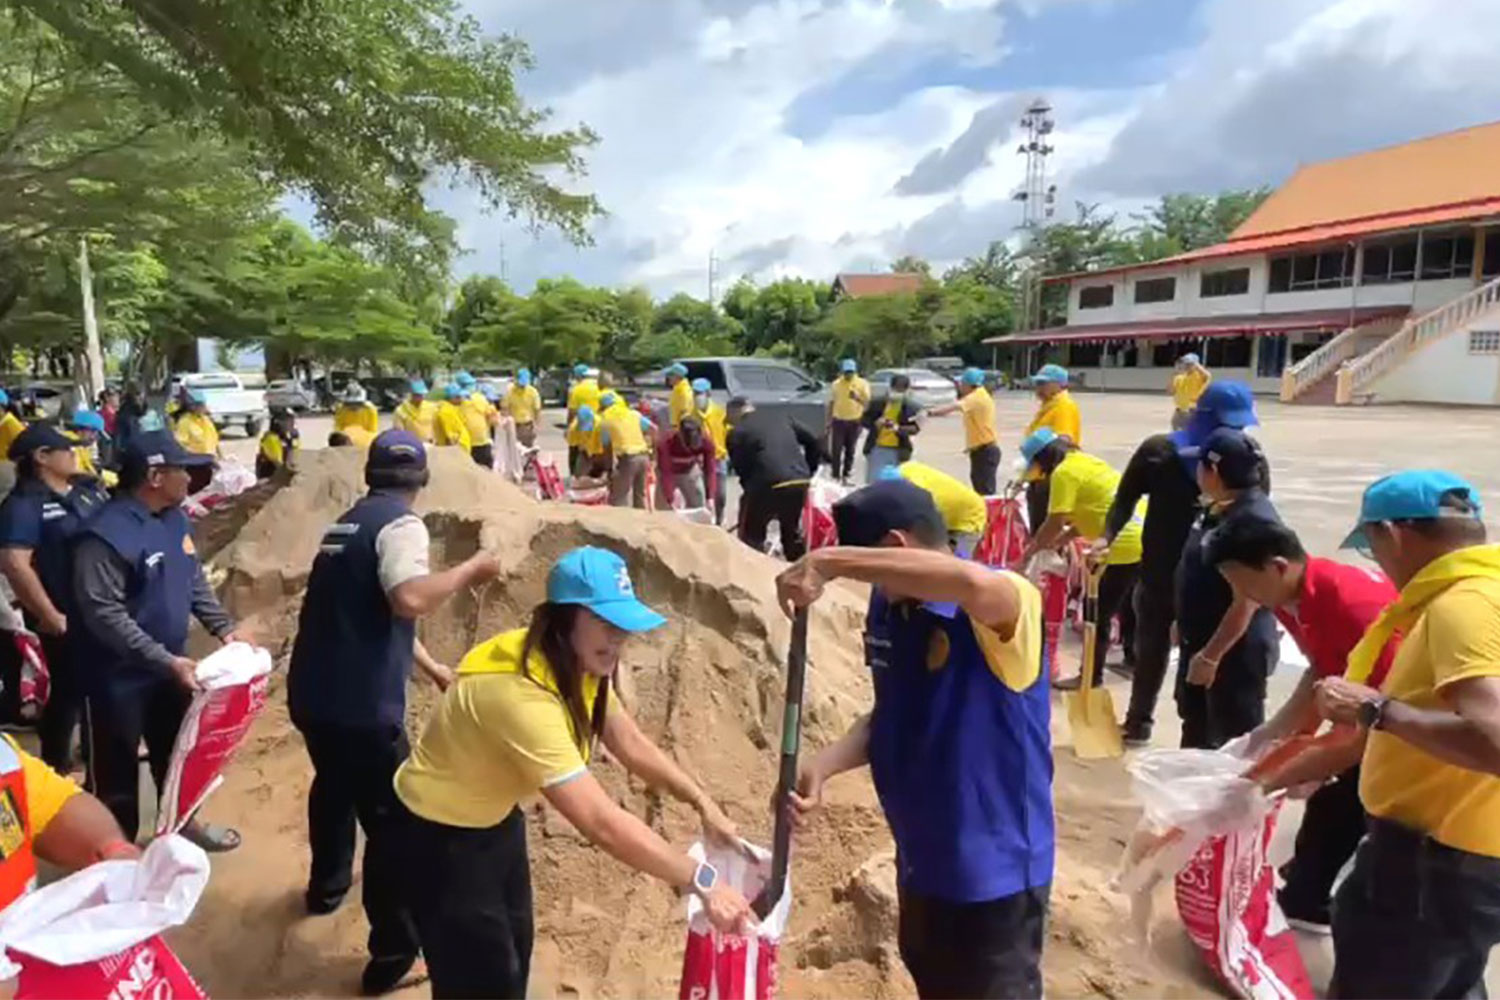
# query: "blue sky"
804,137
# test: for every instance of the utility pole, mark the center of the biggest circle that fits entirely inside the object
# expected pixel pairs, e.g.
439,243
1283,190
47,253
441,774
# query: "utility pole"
713,279
93,375
1038,200
503,270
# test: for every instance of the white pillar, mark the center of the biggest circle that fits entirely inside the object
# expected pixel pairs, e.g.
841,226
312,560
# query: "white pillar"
93,375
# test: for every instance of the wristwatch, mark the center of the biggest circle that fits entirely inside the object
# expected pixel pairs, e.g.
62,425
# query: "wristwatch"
1371,714
705,877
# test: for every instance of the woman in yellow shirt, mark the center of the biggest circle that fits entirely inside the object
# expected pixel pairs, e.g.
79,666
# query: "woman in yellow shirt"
963,510
1187,385
195,429
416,413
523,719
1058,413
716,420
356,411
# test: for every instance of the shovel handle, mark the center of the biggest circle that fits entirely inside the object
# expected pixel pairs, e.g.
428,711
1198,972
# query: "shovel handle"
786,782
1091,578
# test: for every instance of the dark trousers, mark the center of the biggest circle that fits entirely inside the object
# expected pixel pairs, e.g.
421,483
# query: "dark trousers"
1037,493
118,719
64,708
483,454
844,443
10,680
968,951
1331,829
984,463
1154,612
758,508
1233,704
1115,588
1415,918
352,773
470,892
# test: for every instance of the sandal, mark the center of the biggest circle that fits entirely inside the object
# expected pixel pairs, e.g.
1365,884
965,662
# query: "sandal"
211,837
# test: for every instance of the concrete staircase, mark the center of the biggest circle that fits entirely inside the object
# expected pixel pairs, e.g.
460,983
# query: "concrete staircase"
1313,379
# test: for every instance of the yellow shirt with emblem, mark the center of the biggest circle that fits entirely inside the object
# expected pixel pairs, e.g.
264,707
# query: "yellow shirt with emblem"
1188,386
717,421
11,427
46,793
849,396
476,412
498,737
1457,637
681,403
196,432
620,430
358,415
1061,414
1017,659
887,437
275,449
585,392
418,420
978,409
963,510
523,403
1083,487
450,428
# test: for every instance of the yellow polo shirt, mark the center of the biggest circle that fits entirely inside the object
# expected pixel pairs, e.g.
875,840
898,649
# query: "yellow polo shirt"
963,510
196,432
46,790
418,420
11,427
358,415
498,736
681,403
523,404
620,429
1061,414
978,409
1457,637
850,395
1188,386
585,392
1083,488
587,440
476,412
887,437
450,427
716,420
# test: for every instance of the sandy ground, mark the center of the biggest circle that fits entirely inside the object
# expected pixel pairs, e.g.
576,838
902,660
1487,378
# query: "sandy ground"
1321,459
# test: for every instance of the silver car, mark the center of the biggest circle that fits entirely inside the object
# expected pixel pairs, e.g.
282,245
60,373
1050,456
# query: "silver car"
928,388
289,394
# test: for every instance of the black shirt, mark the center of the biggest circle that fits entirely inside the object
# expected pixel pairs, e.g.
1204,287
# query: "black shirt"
767,448
1204,596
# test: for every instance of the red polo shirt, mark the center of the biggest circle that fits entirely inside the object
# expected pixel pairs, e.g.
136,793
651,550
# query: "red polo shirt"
1338,602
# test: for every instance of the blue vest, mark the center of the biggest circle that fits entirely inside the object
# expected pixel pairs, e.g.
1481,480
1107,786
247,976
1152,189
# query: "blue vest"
353,654
60,516
158,548
962,764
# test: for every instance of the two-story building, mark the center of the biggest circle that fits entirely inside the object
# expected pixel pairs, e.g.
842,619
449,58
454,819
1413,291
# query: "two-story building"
1374,277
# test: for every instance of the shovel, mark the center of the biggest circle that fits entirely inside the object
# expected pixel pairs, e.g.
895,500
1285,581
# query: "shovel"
1091,711
791,742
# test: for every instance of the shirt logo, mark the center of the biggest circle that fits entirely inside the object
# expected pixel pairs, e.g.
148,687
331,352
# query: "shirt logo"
938,650
154,559
187,545
12,830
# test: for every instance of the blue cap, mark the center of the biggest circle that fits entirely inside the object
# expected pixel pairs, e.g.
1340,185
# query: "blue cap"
194,397
1414,495
418,387
158,449
598,579
1051,373
975,376
1229,404
677,368
848,366
4,398
1033,445
37,437
453,391
1189,359
1233,454
889,472
87,420
523,377
490,391
701,385
580,369
586,417
867,515
464,379
395,449
606,400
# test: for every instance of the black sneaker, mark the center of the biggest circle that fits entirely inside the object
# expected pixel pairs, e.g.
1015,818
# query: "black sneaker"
1136,734
321,906
382,975
1308,919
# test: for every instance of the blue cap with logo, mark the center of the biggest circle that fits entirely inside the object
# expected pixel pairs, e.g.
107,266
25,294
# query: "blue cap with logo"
418,387
1051,373
160,449
454,391
580,370
1413,495
464,379
523,377
677,368
975,376
867,515
1229,403
1035,442
701,385
395,449
598,579
1233,454
87,420
38,437
848,366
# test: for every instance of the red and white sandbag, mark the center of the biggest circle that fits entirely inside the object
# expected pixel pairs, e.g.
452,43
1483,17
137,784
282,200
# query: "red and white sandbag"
234,682
1005,536
97,933
818,527
35,685
730,966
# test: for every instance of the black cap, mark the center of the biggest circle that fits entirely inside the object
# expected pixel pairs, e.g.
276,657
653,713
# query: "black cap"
1235,456
867,515
159,449
36,437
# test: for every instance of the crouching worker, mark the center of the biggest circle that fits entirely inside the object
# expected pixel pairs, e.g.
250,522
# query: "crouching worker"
523,718
961,508
957,742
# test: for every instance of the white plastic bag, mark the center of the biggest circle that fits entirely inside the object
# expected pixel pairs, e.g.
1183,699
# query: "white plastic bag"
727,966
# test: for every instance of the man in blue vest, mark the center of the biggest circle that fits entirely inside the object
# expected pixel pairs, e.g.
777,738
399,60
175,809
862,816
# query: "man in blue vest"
356,643
958,742
137,585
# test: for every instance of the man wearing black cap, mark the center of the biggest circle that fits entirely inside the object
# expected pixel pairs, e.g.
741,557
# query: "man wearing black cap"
958,741
356,643
1227,644
38,520
137,585
774,457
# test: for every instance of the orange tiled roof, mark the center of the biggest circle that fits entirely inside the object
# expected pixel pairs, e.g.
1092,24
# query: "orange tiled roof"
859,285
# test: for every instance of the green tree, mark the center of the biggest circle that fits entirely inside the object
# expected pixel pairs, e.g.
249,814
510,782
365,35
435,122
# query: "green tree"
911,264
784,311
479,296
559,323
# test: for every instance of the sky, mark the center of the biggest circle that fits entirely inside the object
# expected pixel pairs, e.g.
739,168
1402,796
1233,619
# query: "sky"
809,137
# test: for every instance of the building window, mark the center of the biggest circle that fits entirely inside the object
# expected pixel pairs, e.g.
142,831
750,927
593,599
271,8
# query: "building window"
1447,255
1155,290
1484,341
1390,261
1270,360
1215,284
1164,354
1085,355
1227,352
1307,271
1096,297
1491,254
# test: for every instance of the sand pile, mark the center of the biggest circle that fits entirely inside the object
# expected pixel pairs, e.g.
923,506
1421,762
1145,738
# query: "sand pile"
708,686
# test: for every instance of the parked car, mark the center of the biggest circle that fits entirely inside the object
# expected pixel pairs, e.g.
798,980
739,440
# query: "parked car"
39,400
229,402
768,383
928,388
289,394
499,383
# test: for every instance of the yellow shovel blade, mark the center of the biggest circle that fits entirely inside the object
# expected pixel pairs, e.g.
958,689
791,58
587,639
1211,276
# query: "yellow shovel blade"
1091,718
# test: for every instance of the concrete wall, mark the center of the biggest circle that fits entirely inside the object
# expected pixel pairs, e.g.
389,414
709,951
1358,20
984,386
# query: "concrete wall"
1446,372
1160,379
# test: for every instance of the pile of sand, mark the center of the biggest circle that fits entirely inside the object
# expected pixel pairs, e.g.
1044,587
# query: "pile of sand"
708,686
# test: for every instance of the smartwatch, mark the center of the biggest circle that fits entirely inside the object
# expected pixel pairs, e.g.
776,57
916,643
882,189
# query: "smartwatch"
705,877
1371,714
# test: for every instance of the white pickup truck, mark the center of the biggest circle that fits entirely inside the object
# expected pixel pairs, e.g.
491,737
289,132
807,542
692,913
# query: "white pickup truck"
229,402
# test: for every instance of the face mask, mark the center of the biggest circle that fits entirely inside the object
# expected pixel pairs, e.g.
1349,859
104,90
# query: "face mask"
701,401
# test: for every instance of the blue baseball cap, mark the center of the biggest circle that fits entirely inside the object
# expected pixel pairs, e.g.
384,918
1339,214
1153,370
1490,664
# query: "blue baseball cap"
4,398
607,399
1189,359
1413,495
418,387
678,369
87,420
701,385
1033,445
1233,454
159,449
464,379
1229,404
395,449
598,579
580,370
454,391
36,438
975,376
523,377
490,391
1051,373
867,515
194,397
848,366
586,417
